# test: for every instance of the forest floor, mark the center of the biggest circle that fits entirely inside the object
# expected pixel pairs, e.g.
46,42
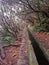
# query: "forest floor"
43,38
15,54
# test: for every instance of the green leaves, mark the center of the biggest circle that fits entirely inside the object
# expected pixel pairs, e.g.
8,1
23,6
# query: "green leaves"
7,39
42,25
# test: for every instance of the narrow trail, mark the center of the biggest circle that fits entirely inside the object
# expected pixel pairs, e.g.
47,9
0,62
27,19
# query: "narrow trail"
23,58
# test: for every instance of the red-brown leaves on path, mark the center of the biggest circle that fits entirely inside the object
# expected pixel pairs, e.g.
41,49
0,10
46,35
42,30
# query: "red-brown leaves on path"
43,38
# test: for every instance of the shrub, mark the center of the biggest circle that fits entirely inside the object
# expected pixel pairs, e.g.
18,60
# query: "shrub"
42,25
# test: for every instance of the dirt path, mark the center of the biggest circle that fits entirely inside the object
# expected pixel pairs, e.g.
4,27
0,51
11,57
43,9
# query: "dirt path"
23,58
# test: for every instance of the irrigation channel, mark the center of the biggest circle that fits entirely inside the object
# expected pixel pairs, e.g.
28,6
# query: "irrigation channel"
42,60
